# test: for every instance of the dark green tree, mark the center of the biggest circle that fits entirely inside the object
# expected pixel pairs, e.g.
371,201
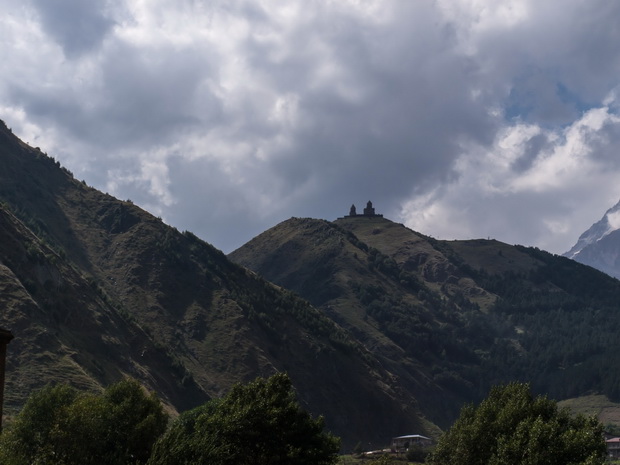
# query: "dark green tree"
254,424
61,426
513,427
417,453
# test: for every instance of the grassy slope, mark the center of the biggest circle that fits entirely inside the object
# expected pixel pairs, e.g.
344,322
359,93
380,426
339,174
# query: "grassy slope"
606,411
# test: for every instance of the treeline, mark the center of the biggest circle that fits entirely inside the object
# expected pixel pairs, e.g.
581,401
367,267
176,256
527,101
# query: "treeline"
259,422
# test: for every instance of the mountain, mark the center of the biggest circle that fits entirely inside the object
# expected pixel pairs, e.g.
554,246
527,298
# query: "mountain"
95,289
599,246
451,318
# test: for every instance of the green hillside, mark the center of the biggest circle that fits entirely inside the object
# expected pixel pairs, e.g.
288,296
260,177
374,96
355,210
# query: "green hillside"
451,318
597,405
95,289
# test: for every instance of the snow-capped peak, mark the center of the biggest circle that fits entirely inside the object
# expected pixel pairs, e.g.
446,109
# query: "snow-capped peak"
606,225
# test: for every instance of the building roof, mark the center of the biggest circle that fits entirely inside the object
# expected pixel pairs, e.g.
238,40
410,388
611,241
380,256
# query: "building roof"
411,436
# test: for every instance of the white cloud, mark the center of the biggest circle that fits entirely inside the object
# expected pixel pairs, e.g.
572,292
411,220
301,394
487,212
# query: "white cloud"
492,195
613,219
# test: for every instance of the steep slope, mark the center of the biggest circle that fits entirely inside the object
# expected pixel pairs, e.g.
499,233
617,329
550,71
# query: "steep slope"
66,328
599,246
451,318
94,289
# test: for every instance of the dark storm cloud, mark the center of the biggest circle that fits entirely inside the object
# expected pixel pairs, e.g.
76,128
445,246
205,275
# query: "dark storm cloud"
398,129
153,93
137,99
533,147
219,212
559,48
78,26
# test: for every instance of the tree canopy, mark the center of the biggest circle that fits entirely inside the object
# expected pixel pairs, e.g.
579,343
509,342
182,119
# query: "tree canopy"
61,426
256,423
513,427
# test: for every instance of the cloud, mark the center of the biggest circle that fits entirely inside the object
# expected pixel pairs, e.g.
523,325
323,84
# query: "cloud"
541,201
78,26
614,220
461,119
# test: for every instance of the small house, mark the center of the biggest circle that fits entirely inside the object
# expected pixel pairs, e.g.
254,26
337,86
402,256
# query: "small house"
402,444
613,448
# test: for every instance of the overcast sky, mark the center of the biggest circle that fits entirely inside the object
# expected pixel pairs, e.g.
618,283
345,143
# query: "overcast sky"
461,119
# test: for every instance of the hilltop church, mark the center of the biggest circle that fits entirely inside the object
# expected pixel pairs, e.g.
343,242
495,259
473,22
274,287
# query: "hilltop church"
369,211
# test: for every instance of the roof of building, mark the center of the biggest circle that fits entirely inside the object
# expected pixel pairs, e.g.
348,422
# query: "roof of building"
411,436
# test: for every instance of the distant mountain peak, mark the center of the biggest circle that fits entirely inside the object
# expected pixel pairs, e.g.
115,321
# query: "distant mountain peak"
609,223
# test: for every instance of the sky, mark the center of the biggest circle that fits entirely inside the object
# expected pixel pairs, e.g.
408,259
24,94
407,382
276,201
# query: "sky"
460,119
